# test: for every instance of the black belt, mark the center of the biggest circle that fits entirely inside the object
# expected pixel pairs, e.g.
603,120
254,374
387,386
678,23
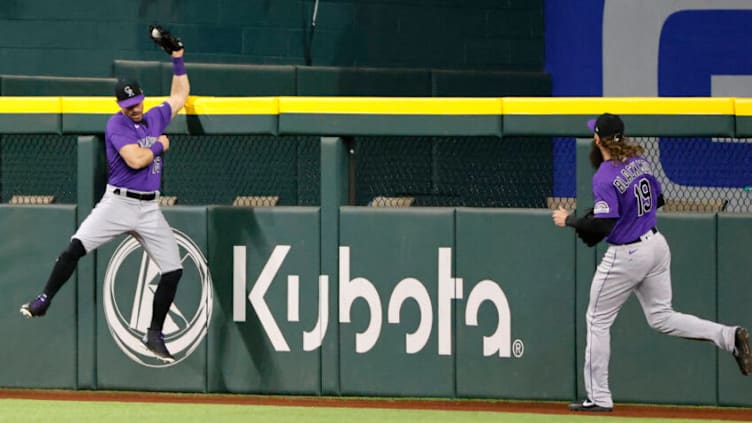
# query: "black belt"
146,196
653,230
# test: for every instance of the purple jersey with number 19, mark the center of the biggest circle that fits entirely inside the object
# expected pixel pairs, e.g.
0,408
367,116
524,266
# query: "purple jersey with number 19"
627,191
120,131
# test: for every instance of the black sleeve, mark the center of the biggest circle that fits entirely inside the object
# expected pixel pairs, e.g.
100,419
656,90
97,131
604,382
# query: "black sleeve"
661,201
591,224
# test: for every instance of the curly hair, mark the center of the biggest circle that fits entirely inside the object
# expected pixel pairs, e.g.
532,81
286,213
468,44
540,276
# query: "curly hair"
622,147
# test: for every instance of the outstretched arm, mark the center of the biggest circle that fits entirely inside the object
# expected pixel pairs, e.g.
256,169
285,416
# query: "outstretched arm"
588,228
588,223
181,87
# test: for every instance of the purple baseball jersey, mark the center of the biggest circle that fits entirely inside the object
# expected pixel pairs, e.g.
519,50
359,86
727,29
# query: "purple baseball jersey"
121,131
627,191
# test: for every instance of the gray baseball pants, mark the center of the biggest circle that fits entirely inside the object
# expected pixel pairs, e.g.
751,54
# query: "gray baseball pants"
117,214
641,268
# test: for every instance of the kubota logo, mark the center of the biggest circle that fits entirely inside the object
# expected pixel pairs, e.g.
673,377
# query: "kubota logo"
352,288
128,305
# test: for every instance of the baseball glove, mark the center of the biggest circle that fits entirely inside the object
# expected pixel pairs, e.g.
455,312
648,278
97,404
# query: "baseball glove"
588,237
164,39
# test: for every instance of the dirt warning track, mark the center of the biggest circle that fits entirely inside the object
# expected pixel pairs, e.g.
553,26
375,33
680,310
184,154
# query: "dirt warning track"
621,410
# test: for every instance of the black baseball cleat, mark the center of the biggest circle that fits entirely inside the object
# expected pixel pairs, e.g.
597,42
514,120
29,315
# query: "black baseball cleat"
589,406
154,341
741,350
36,307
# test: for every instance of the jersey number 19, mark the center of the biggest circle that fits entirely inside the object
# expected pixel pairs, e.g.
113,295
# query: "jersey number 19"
642,192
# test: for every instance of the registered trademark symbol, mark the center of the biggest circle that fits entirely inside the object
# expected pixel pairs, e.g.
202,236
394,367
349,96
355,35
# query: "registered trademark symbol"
518,348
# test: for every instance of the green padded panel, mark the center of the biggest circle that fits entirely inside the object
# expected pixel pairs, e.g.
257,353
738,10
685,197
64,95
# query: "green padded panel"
647,364
38,353
637,125
381,82
743,126
456,83
146,73
114,369
242,356
540,299
734,298
181,124
233,124
235,80
14,85
387,246
334,192
38,123
373,124
82,123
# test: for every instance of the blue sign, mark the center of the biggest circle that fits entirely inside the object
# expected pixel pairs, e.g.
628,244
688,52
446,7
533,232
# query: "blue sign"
678,48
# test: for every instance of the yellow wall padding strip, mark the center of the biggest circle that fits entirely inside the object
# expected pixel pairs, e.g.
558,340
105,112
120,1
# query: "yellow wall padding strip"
618,105
744,106
108,105
398,105
30,105
236,106
391,105
90,105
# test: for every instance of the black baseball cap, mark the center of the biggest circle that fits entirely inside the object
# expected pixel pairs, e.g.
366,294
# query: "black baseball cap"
607,125
128,93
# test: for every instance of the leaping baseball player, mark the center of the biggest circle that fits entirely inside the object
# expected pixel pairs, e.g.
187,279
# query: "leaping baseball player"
638,260
135,144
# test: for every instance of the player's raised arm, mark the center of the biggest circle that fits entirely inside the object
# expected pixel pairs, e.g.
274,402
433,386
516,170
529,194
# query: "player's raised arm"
181,87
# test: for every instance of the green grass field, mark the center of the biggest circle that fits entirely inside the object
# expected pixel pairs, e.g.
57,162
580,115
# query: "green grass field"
27,411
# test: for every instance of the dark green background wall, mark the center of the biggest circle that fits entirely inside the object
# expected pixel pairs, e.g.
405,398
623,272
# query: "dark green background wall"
82,38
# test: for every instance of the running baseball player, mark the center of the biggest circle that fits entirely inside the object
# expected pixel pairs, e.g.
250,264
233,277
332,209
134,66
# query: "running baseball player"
626,196
135,146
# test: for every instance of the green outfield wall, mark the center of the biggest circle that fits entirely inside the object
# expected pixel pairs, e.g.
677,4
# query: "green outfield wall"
40,353
320,297
129,278
644,363
395,305
502,252
265,337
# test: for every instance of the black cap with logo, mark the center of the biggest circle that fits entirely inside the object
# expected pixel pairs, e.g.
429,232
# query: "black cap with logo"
607,125
128,93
